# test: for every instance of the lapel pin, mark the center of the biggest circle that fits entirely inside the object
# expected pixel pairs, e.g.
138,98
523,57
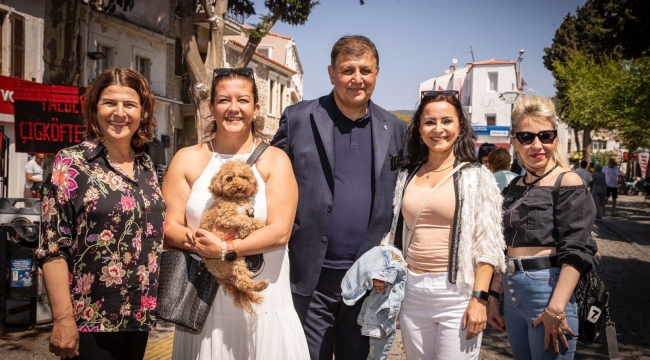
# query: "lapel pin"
385,127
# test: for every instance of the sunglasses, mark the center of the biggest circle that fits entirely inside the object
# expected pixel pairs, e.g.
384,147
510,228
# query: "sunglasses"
248,72
527,138
440,92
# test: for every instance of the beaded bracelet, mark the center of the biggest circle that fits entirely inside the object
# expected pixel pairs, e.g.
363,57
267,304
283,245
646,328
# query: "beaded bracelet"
557,317
223,251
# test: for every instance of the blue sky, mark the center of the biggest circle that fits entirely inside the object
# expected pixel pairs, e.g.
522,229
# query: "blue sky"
416,38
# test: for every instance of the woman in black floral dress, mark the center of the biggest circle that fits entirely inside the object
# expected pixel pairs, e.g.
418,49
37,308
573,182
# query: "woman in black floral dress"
102,224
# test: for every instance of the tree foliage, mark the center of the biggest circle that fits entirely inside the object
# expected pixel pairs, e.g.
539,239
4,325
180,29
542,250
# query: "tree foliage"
598,58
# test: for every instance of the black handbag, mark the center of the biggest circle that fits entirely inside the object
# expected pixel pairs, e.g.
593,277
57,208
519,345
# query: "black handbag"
593,306
592,300
186,289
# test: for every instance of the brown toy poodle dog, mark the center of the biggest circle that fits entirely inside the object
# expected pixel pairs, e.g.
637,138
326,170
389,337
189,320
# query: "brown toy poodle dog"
232,187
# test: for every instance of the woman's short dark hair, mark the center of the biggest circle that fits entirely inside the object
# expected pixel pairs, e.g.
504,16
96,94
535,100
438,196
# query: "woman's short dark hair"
499,159
211,128
417,151
121,77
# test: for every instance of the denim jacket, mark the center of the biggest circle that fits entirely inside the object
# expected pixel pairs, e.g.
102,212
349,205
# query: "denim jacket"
379,312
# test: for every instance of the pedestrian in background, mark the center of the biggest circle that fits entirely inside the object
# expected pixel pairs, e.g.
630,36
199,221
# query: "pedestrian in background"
584,174
549,242
611,172
102,225
598,189
344,149
452,241
34,176
499,163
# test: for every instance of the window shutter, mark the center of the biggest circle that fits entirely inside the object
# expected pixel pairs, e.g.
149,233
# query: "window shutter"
18,47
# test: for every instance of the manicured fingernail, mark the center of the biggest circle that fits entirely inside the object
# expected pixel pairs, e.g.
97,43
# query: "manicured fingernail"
546,350
504,328
557,353
533,326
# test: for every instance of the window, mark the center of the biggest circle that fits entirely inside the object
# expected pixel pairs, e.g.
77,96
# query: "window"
18,46
494,81
3,15
600,145
491,119
107,61
264,50
178,58
142,65
271,96
281,97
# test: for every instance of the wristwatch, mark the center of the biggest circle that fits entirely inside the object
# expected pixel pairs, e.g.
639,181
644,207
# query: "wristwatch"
481,295
231,255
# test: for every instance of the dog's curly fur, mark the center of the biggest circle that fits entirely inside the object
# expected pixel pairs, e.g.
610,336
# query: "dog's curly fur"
232,187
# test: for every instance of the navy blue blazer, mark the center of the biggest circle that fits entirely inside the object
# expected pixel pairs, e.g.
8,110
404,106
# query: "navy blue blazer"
306,134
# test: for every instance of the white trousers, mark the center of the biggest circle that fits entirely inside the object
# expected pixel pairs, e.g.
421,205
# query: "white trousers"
431,319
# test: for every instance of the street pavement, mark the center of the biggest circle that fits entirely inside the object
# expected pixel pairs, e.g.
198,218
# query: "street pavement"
624,249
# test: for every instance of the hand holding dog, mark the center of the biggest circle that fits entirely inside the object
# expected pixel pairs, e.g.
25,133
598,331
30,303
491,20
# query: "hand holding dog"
208,244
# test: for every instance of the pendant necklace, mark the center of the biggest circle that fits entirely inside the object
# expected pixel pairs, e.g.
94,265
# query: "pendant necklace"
439,170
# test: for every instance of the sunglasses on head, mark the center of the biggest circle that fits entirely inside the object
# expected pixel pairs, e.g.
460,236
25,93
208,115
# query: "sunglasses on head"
527,138
248,72
440,92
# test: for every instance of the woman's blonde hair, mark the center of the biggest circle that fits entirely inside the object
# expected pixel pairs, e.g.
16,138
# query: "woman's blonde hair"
538,107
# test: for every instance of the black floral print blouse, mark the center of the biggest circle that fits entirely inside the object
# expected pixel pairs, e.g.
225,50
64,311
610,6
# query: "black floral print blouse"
109,228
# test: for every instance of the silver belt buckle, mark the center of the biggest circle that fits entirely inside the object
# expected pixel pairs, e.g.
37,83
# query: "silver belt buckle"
510,266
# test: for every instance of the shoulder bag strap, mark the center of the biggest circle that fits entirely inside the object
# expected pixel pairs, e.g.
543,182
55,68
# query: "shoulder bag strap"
424,202
256,154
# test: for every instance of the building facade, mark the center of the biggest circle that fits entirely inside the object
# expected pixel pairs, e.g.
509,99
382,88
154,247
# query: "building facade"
21,58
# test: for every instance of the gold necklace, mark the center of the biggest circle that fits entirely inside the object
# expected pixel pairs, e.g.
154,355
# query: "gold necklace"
439,170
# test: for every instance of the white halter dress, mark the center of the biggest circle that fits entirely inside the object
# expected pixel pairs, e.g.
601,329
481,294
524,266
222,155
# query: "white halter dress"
274,331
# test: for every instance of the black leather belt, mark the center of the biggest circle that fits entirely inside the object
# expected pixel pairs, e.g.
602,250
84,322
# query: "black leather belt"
516,264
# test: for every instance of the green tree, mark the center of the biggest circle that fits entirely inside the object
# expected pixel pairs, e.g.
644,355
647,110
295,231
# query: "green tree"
603,31
633,96
589,93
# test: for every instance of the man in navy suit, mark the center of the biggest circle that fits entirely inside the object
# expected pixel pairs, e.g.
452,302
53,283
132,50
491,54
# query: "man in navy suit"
344,150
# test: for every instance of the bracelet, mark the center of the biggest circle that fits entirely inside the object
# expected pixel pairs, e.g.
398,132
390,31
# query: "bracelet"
557,317
490,301
223,251
494,294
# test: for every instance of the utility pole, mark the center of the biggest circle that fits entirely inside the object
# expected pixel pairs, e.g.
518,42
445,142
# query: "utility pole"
519,61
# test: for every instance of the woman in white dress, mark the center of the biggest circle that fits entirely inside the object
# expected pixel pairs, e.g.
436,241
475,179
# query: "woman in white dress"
274,331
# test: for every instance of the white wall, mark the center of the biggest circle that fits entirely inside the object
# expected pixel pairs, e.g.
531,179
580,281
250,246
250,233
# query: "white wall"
485,102
127,43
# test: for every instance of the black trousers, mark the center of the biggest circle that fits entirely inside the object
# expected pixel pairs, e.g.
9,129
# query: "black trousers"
330,325
112,346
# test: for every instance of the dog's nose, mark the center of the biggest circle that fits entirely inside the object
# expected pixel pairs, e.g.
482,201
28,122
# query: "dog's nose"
239,188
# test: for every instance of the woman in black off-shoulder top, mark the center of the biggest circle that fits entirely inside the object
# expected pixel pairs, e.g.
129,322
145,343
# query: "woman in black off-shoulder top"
549,244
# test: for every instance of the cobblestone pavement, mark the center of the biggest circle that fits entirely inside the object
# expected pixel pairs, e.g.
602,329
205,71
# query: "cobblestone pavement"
624,244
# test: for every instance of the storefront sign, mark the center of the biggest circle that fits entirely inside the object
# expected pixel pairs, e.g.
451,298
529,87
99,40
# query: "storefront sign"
47,117
7,94
492,130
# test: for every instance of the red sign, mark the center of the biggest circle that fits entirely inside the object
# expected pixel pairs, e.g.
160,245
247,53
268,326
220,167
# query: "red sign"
47,117
643,162
7,85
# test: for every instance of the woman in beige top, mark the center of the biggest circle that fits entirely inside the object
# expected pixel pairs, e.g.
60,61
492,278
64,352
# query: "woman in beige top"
451,236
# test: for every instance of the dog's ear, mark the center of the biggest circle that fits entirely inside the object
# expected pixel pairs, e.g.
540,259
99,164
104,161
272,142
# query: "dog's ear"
216,185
